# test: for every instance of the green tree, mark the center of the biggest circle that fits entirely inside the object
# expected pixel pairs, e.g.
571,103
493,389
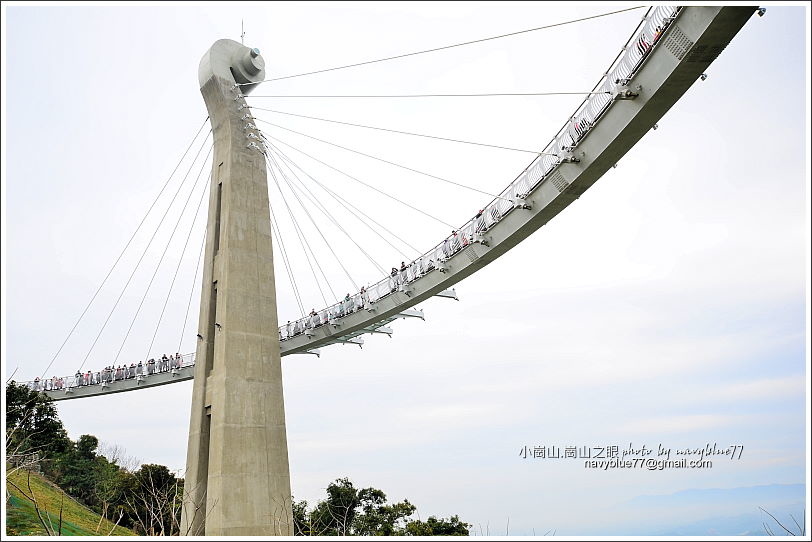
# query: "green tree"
148,500
76,469
365,512
155,501
301,518
377,518
108,488
334,516
32,423
437,527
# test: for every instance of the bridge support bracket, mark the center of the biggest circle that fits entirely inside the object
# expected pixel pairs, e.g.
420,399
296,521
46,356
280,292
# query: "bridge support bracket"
568,158
352,340
481,239
621,91
412,313
450,293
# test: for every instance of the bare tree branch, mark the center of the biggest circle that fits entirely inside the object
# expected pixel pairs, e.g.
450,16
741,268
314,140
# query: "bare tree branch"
800,529
120,515
776,520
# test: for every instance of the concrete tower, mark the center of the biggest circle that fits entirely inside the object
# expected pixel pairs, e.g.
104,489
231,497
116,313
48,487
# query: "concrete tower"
237,476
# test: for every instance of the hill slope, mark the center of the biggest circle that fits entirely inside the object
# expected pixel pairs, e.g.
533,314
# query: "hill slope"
77,519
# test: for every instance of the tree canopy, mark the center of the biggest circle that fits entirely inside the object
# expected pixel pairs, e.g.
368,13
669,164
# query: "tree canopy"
148,498
348,511
32,423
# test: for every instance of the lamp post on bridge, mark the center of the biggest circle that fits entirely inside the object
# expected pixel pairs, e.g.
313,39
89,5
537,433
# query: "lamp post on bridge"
237,478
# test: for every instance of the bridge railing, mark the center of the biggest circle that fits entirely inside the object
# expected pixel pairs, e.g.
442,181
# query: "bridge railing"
630,59
103,378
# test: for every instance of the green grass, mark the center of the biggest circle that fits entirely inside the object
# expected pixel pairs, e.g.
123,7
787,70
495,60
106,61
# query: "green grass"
77,519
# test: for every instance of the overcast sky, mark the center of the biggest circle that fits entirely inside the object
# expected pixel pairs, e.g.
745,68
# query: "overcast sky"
668,305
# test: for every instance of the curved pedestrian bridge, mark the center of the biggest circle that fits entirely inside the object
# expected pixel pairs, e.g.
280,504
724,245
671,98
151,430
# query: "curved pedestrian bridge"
669,51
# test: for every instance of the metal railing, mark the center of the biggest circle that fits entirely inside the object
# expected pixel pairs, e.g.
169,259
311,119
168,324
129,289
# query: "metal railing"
630,59
107,377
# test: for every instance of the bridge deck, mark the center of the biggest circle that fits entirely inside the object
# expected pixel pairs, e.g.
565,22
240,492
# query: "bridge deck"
666,54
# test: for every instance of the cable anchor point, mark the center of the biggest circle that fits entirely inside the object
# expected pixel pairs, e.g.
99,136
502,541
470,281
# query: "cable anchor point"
621,91
566,157
520,203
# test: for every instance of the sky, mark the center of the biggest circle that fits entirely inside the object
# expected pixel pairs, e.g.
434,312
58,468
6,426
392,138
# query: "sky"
668,306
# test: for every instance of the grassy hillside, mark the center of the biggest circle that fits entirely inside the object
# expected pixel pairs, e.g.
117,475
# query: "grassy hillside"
77,520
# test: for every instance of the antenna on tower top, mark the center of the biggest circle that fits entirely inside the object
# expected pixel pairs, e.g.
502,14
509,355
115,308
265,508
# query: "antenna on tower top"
242,32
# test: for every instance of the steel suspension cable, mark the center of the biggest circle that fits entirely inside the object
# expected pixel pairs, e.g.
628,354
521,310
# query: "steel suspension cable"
180,260
192,291
443,222
288,267
163,254
303,240
424,51
126,246
537,153
347,205
482,95
312,197
138,264
384,160
312,221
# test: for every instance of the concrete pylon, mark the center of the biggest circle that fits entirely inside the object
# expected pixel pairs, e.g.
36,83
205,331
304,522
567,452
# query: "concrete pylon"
237,476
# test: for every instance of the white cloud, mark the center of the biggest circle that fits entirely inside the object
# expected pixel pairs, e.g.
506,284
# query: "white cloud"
677,424
761,389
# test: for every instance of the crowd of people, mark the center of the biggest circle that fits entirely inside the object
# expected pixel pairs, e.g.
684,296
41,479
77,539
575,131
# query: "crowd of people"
110,374
581,125
397,278
643,46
